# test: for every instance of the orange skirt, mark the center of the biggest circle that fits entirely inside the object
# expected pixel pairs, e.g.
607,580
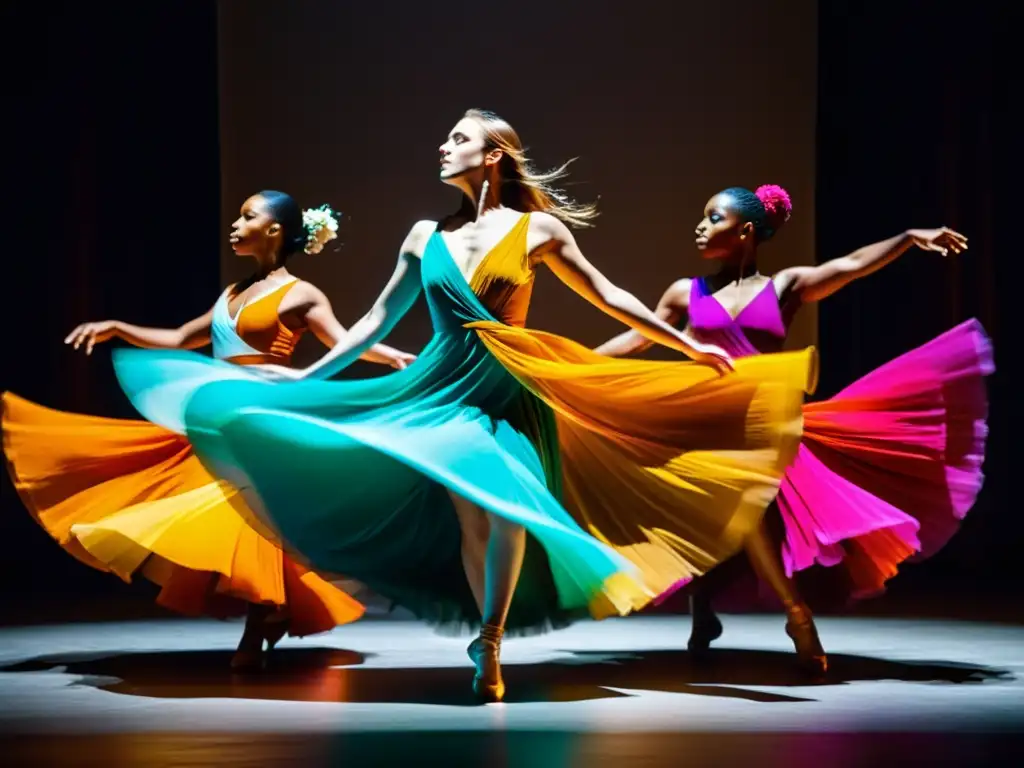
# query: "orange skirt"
130,497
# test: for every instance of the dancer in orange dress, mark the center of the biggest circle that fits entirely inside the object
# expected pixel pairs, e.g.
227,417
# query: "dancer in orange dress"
91,480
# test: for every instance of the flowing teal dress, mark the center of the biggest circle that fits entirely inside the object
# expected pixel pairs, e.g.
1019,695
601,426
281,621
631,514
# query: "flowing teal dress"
352,476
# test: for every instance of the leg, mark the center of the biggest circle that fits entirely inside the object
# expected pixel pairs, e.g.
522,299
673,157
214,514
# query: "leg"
764,557
249,654
475,533
706,627
506,546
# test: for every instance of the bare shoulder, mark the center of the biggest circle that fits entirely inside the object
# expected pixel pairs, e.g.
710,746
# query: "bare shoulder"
786,280
677,295
680,289
547,235
416,241
305,290
549,227
303,295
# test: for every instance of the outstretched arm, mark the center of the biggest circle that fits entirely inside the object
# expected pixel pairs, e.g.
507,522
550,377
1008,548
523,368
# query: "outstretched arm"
561,253
809,284
195,333
315,311
672,308
394,301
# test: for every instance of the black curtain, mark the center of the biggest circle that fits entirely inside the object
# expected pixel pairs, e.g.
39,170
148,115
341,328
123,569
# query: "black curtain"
114,200
910,100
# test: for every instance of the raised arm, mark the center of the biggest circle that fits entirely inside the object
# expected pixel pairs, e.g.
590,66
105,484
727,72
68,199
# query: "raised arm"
809,284
394,301
313,309
193,334
563,256
673,307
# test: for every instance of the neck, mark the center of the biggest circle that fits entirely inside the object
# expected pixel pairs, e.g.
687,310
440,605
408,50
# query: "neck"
268,265
740,267
472,191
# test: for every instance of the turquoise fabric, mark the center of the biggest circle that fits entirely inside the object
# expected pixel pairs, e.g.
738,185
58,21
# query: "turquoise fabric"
353,474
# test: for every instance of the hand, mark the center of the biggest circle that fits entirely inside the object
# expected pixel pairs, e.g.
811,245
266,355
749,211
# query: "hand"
941,240
401,361
277,372
716,357
91,334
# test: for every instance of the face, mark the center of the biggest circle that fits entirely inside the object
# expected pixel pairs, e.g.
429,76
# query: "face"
465,151
722,232
255,230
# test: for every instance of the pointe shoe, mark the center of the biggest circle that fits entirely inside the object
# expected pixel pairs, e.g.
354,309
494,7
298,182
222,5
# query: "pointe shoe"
804,634
485,651
705,629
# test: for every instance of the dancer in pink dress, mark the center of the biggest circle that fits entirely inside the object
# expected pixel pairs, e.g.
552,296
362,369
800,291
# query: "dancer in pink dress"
889,466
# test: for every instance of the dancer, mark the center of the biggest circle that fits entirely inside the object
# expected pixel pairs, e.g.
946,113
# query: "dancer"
889,465
446,485
89,481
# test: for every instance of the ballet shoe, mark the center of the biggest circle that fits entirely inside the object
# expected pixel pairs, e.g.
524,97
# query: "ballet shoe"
485,651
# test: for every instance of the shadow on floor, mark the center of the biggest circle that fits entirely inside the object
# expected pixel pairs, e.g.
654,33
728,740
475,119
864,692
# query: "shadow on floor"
332,675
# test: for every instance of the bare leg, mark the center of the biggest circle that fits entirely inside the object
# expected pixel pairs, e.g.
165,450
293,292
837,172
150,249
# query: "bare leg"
506,546
475,532
764,557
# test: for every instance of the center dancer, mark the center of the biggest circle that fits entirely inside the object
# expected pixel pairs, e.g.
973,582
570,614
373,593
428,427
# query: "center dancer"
496,481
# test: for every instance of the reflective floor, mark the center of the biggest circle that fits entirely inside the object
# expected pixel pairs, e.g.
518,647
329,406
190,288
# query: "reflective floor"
159,692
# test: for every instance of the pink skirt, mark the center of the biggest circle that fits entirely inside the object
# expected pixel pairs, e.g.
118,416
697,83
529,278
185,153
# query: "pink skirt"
886,471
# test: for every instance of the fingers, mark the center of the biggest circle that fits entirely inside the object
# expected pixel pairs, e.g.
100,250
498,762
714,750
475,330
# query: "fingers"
953,240
83,334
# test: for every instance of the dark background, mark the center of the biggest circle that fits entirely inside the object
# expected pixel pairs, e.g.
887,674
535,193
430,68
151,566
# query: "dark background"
114,200
661,106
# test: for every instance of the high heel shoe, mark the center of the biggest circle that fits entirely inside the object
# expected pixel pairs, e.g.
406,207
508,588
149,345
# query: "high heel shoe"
485,652
705,629
804,634
248,659
273,631
252,659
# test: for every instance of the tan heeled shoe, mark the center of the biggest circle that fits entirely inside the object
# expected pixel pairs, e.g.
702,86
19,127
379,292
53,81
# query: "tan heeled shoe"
804,634
485,652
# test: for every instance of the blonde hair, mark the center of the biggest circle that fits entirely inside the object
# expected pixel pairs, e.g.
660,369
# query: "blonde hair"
523,187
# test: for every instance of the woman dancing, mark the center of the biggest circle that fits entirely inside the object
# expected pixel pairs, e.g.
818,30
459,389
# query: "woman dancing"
501,462
888,466
92,482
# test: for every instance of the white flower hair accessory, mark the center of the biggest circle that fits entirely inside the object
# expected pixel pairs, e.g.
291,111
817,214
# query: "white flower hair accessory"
321,225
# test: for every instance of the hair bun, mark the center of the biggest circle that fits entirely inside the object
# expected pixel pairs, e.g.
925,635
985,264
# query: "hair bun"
777,204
